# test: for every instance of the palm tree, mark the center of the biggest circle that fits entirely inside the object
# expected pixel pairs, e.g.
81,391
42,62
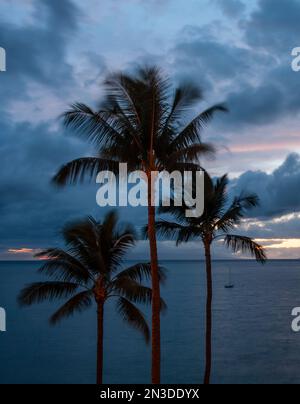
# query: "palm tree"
143,123
89,270
219,219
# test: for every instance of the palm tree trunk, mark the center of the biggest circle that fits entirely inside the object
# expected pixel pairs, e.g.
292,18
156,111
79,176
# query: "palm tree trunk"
155,287
100,315
208,346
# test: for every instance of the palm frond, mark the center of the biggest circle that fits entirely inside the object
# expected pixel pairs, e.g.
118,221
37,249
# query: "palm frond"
120,248
237,211
99,128
81,169
132,290
40,291
123,95
85,243
184,98
192,132
133,316
115,240
247,201
182,167
77,303
167,230
191,153
246,245
109,224
63,266
216,200
140,272
189,233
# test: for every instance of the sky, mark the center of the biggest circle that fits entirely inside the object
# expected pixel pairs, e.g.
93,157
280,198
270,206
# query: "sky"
237,51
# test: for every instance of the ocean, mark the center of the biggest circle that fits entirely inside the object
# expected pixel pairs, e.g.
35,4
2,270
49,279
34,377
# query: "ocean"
252,337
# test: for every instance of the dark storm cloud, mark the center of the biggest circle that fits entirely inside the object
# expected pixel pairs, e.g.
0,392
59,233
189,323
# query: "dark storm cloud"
31,210
212,60
231,8
256,105
278,192
37,51
256,80
274,26
275,98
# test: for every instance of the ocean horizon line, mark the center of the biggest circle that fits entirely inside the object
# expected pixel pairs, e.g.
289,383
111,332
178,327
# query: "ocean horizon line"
176,260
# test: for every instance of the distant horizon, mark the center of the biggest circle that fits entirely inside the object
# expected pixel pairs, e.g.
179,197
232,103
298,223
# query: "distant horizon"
178,260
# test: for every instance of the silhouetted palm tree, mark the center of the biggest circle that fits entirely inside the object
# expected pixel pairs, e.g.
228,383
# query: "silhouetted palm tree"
89,269
143,123
220,218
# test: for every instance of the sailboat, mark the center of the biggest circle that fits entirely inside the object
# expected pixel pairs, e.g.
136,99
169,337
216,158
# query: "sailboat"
229,285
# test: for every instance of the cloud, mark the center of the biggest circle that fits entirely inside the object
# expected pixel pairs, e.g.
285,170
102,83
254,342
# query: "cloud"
248,66
36,52
277,191
231,8
213,61
21,251
274,26
251,67
31,209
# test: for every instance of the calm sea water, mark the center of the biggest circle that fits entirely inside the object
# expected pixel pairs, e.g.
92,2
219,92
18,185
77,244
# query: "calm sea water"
253,341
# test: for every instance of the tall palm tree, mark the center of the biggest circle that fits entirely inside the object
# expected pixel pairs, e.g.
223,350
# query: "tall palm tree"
218,221
144,123
89,270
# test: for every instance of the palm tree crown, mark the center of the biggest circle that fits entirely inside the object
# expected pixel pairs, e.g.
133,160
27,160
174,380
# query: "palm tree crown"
140,122
90,270
217,222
